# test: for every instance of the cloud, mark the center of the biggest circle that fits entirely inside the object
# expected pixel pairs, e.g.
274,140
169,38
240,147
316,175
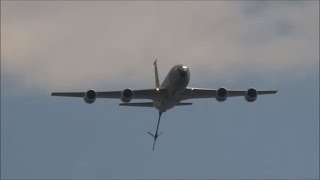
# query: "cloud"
67,45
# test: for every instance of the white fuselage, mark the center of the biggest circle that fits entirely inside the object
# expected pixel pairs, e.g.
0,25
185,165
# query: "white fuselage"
175,83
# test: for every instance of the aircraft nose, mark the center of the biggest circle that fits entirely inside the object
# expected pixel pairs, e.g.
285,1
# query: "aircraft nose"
183,70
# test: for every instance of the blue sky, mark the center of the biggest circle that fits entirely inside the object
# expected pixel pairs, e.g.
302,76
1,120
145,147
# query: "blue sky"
60,46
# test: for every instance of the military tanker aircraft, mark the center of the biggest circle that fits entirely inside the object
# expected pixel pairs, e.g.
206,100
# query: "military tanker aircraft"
173,91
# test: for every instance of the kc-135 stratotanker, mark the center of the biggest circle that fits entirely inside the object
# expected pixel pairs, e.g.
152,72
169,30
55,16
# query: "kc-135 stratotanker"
172,92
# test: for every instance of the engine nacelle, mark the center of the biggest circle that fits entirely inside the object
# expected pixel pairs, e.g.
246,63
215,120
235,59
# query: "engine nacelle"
222,94
90,96
251,95
126,95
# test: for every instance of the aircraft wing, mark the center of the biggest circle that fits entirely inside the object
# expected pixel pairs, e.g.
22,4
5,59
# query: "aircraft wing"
137,94
197,93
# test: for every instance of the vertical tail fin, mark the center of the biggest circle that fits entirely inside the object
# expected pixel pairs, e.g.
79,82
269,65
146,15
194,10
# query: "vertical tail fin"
156,73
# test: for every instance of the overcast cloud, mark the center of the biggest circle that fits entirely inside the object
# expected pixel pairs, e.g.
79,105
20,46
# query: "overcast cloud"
77,45
68,45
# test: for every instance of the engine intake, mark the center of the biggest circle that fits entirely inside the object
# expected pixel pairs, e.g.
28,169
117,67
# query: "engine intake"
222,94
126,95
90,96
251,95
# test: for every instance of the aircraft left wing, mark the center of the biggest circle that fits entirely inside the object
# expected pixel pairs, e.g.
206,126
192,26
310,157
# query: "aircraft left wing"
136,94
196,93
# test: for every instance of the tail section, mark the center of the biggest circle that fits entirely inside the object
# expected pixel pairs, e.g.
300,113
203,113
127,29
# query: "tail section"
156,73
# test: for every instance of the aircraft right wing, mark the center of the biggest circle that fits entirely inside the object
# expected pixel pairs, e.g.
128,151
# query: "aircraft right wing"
136,94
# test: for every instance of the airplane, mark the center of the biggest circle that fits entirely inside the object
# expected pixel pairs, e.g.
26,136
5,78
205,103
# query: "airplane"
172,92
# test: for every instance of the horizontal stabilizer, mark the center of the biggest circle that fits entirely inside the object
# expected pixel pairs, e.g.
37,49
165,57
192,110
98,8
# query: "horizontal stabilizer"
184,104
139,104
149,104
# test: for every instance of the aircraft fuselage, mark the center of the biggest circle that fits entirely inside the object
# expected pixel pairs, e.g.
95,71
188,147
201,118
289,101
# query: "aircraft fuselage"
175,83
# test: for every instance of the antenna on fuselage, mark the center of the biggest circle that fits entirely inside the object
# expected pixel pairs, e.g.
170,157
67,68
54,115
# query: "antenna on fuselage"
156,73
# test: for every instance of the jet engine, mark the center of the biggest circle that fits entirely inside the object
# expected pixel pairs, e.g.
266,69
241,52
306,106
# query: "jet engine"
126,95
222,94
90,96
251,95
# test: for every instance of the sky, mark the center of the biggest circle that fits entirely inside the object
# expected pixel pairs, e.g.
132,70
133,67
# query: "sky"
108,45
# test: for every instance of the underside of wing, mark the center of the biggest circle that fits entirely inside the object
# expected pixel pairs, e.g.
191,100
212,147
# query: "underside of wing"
197,93
221,94
136,94
68,94
125,95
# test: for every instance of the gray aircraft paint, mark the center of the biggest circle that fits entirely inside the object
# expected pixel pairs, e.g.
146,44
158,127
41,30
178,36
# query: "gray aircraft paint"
175,83
167,95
